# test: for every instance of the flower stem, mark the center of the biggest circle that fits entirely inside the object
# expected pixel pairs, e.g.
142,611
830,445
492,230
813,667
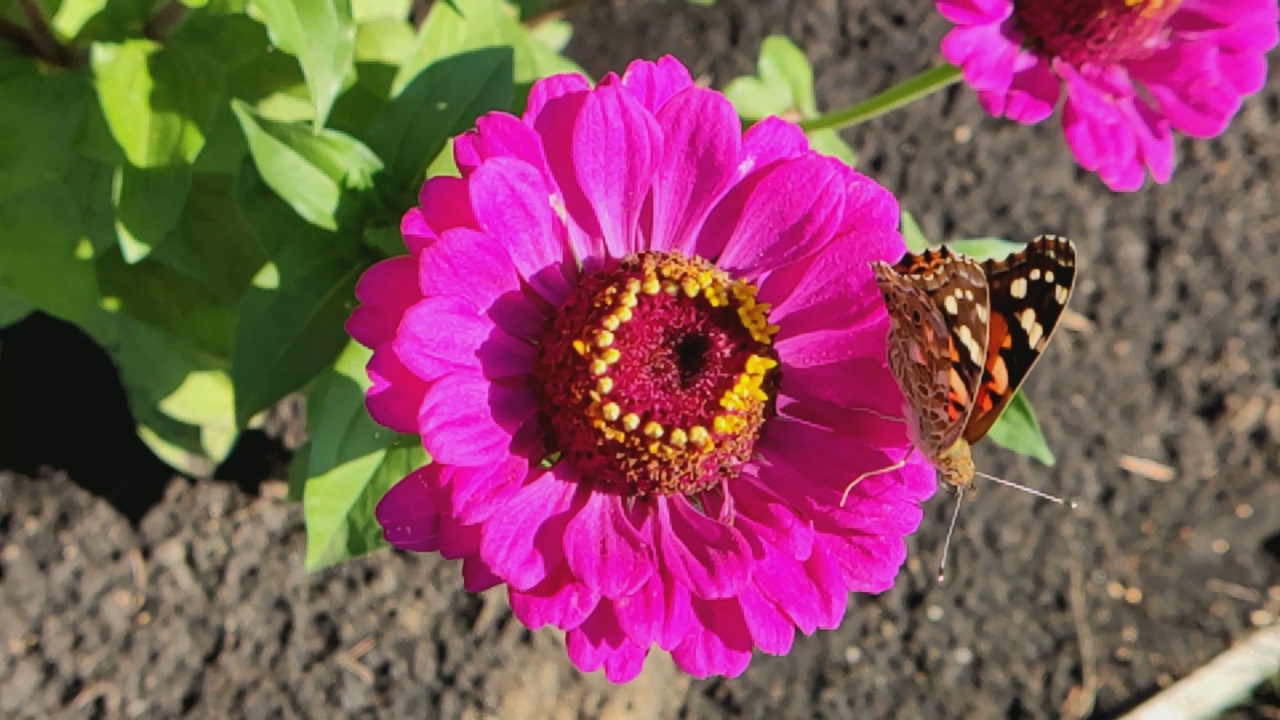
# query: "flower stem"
903,93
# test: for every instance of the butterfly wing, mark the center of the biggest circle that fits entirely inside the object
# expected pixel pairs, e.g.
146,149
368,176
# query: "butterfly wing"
1029,291
937,303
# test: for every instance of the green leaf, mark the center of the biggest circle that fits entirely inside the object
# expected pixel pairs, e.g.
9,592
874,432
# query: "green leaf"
148,203
986,248
321,175
322,35
269,217
442,101
453,28
159,101
39,119
384,41
829,142
44,258
351,465
216,246
782,85
291,324
914,236
13,309
174,303
374,10
1017,429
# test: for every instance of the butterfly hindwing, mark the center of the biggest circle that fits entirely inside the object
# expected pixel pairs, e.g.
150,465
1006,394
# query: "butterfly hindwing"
938,306
1029,292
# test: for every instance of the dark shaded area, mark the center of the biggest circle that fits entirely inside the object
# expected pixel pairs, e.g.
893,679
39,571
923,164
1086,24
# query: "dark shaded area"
62,406
178,597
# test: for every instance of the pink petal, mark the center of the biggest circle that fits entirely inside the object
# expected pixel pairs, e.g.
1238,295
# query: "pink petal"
554,124
710,557
500,134
834,289
440,335
512,202
772,631
526,545
833,596
1032,95
1097,134
476,493
446,204
677,613
408,513
703,143
559,600
975,12
415,232
718,643
395,395
467,420
1184,80
640,614
477,266
652,84
600,642
775,217
869,207
385,290
549,89
775,520
869,564
477,577
985,55
604,550
617,146
768,141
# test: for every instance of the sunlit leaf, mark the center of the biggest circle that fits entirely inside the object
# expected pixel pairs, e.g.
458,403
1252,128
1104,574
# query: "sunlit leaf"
322,35
1018,430
159,101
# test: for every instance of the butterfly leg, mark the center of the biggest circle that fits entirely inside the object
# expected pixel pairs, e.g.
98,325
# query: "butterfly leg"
880,471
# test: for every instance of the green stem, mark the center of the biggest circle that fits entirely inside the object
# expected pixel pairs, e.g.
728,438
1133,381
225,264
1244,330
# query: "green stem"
903,93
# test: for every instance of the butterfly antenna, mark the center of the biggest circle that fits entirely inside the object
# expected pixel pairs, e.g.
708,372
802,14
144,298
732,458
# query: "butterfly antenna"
946,544
1038,493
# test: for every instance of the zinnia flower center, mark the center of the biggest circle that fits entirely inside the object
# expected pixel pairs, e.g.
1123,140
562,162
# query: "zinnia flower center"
1097,31
657,376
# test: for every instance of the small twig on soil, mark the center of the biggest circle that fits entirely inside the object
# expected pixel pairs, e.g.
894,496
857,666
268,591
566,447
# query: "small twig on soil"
1235,590
349,659
94,690
1076,322
1149,469
1224,681
1080,701
138,568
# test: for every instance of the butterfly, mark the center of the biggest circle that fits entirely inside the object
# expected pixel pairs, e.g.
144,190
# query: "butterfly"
964,335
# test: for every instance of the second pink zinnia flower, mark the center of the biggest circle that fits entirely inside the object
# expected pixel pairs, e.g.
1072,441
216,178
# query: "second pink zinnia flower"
647,355
1133,70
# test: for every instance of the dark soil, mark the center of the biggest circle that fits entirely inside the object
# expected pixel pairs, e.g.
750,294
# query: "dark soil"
128,592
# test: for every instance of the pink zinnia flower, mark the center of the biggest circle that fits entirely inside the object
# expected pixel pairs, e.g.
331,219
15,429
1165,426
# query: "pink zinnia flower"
647,354
1133,70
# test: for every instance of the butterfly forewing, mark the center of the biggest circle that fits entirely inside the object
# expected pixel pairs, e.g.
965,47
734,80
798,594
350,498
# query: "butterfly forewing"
938,307
1029,292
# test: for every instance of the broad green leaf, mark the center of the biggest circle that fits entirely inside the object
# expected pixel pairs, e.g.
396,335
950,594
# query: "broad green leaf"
553,34
214,243
384,41
159,101
782,85
73,15
44,258
387,241
321,175
452,28
291,324
13,309
322,35
179,306
351,465
442,101
270,218
39,120
365,11
299,471
912,234
148,204
829,142
90,184
1017,429
987,248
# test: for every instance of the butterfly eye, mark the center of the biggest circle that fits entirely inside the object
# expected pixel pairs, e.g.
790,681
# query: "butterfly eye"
915,316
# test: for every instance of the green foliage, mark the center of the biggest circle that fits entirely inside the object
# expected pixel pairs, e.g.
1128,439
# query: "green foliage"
1017,428
783,86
